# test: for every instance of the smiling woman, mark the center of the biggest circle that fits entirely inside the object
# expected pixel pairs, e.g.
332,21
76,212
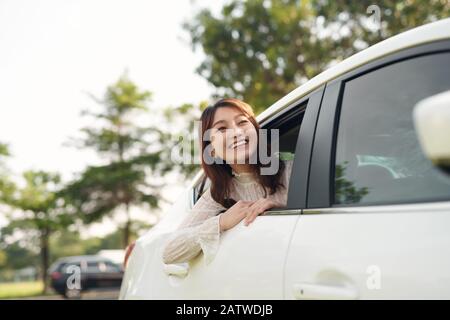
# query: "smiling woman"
239,191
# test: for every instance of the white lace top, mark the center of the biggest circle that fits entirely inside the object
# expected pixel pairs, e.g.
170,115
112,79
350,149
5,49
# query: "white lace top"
200,231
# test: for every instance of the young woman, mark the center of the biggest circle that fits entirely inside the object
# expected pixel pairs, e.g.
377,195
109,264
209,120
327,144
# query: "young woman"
239,191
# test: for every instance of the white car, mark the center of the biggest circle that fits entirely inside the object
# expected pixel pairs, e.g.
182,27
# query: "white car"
368,213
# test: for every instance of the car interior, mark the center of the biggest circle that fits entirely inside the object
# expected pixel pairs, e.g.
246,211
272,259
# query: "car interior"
390,167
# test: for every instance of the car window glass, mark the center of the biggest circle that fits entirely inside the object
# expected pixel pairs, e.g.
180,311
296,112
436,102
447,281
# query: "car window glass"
378,156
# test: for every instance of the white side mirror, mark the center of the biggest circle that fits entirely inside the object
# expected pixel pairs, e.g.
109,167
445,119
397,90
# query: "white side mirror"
432,122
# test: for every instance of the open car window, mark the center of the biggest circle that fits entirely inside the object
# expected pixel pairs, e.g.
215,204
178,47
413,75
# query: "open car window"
288,125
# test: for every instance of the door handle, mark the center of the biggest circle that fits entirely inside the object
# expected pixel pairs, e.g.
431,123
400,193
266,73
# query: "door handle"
180,270
319,291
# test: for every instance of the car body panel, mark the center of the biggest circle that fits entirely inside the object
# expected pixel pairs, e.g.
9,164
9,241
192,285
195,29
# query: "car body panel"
248,275
379,252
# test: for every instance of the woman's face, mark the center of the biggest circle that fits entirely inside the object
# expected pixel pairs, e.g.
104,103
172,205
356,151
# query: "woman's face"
233,137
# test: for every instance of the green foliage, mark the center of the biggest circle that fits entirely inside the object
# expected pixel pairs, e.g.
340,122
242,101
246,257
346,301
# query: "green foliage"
18,256
7,187
117,135
3,258
62,243
345,190
4,151
17,290
185,136
259,50
65,244
101,189
39,198
42,210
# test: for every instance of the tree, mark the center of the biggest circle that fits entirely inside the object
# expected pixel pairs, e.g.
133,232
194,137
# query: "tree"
7,187
3,259
42,213
259,50
184,143
18,255
133,154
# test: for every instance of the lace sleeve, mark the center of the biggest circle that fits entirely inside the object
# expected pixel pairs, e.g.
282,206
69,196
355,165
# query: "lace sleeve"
200,231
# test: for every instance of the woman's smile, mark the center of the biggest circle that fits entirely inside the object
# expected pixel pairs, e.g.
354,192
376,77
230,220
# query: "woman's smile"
239,143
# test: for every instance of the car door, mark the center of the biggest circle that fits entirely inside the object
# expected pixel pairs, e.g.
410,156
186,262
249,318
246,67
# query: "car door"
250,260
110,275
378,212
145,275
93,274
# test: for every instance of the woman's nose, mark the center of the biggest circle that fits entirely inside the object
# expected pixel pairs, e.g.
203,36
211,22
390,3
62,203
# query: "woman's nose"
236,132
236,129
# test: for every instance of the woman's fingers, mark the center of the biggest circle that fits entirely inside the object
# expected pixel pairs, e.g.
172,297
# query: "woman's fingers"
243,208
234,215
255,210
258,208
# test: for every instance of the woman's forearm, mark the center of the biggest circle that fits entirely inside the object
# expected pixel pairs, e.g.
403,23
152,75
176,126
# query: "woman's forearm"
186,243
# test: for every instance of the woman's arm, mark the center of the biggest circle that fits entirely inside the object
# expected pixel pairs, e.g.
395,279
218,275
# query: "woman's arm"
200,231
277,201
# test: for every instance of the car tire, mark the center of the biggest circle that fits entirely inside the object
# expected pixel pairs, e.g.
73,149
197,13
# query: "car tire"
72,294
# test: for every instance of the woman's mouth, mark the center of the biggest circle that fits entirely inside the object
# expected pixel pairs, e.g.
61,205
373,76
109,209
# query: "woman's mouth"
238,143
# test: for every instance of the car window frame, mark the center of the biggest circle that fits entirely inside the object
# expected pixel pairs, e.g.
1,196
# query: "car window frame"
321,177
298,181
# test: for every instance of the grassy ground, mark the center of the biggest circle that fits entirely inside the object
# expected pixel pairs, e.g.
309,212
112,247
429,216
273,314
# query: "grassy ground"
10,290
33,290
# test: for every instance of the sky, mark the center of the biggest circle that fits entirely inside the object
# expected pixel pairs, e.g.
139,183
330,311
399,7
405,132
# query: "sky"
54,52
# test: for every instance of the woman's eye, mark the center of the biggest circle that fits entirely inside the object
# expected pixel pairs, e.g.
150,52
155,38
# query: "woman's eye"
242,121
221,129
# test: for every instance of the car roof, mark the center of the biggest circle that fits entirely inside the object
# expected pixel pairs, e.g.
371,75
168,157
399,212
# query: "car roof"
88,258
430,32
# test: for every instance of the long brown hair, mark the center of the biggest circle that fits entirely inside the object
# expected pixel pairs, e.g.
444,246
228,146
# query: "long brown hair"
220,174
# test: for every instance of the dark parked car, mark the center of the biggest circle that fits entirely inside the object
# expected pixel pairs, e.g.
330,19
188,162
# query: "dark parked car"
70,276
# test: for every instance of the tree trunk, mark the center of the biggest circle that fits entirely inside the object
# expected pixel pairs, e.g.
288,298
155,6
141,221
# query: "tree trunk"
44,257
126,229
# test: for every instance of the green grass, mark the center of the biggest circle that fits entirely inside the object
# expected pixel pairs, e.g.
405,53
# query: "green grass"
10,290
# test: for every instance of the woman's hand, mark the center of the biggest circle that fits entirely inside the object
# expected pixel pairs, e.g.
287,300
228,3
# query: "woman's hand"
234,214
128,251
259,207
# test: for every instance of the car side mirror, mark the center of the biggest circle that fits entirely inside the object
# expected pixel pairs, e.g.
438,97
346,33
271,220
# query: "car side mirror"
432,123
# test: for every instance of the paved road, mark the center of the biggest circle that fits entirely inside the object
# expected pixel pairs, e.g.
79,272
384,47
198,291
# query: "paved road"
91,295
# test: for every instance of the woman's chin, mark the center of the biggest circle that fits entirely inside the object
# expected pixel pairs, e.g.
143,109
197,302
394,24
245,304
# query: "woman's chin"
243,158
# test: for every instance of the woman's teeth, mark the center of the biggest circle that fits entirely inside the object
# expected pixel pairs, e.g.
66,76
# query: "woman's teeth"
239,143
